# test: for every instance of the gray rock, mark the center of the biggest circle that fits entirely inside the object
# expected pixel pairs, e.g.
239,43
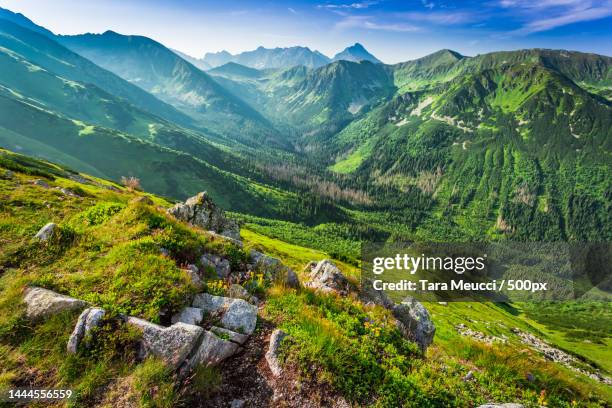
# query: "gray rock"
89,318
238,292
189,315
272,354
414,322
236,314
237,403
194,275
212,350
46,232
41,183
529,377
200,211
236,240
264,261
8,174
238,338
327,278
370,295
469,376
219,264
292,279
42,303
68,192
172,344
508,405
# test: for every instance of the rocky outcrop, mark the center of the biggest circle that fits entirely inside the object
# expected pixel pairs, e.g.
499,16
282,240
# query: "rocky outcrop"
220,265
189,315
212,350
274,269
144,200
414,322
200,211
41,183
194,275
238,292
235,314
463,330
41,303
237,338
172,344
272,354
46,232
89,318
327,278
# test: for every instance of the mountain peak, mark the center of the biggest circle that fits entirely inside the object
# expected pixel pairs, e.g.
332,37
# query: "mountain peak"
356,53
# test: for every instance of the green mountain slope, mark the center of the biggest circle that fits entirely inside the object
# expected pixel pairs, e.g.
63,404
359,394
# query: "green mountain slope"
517,150
158,70
53,57
356,53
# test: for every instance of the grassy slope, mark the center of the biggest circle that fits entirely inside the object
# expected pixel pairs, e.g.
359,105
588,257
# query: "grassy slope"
106,242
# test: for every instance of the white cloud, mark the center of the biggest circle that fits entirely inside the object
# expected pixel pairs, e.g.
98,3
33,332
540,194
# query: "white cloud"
546,15
367,22
292,10
356,5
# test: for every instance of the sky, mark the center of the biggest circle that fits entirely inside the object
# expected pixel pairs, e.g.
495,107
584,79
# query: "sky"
392,30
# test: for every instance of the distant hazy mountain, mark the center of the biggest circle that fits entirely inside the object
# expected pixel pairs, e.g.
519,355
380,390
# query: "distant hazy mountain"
232,69
262,58
197,62
23,21
160,71
356,53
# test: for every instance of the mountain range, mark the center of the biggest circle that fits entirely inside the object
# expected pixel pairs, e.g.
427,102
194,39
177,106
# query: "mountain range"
509,144
272,58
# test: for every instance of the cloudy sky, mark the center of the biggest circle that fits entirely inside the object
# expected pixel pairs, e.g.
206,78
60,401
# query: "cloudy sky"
392,30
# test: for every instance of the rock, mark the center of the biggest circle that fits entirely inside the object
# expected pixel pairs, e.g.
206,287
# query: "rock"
89,318
414,322
264,261
291,279
220,265
41,183
469,376
326,277
238,292
238,338
144,200
8,175
43,303
508,405
235,241
274,269
46,232
194,275
172,344
463,330
237,403
164,252
189,315
200,211
529,377
212,350
236,314
370,295
68,192
272,354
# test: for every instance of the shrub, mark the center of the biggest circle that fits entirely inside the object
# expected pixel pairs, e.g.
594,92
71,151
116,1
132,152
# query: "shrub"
132,183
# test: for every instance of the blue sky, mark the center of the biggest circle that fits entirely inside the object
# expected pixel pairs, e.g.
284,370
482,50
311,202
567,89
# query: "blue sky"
394,31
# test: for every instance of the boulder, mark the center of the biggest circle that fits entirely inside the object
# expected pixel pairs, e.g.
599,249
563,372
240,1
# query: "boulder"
237,403
220,265
89,318
194,275
272,354
41,183
67,192
46,232
200,211
172,344
238,292
326,277
42,303
238,338
189,315
235,314
274,269
212,350
414,322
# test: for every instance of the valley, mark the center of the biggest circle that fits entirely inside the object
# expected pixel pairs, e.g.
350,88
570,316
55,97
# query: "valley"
310,156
